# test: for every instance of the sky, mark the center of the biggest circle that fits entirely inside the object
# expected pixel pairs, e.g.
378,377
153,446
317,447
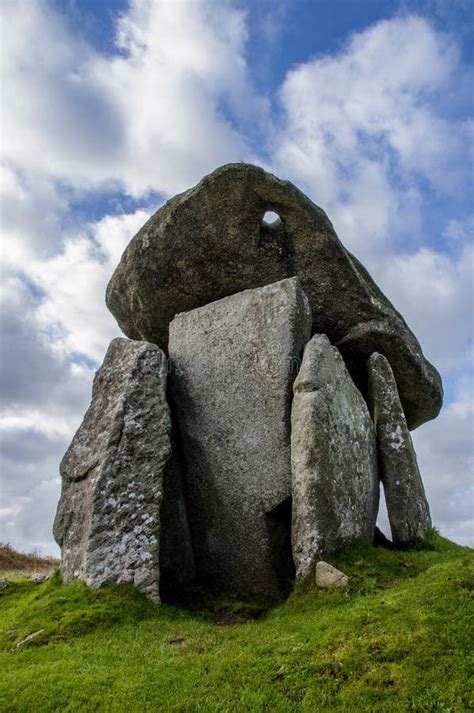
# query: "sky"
110,108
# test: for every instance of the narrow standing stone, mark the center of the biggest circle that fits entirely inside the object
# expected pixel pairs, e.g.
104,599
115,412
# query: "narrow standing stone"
407,506
108,518
234,362
333,458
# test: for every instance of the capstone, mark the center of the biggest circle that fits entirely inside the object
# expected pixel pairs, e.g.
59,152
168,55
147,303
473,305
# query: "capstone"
211,241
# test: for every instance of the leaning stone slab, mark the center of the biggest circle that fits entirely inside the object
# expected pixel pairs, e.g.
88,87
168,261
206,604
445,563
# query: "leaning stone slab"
234,362
333,458
407,507
108,518
211,242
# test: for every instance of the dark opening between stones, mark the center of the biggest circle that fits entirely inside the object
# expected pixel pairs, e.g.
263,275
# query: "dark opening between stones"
279,525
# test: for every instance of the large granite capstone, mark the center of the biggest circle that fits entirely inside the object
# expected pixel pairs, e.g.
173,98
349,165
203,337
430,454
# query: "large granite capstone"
210,242
233,365
333,459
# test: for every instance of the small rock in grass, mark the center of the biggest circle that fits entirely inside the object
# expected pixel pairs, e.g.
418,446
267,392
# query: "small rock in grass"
4,583
329,576
40,577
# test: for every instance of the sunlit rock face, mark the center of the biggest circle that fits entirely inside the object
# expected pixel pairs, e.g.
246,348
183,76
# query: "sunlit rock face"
108,518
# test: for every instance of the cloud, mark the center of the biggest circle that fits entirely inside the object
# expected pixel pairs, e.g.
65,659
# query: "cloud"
58,123
154,115
435,293
73,284
446,460
460,231
31,210
367,131
44,396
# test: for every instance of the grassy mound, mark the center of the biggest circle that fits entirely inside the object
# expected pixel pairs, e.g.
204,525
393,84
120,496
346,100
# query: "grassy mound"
397,639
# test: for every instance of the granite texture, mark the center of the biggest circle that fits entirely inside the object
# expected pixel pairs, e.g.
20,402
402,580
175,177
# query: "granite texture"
233,365
108,517
210,242
333,457
407,506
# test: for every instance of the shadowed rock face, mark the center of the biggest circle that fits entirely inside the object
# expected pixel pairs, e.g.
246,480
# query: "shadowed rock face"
210,242
234,362
114,475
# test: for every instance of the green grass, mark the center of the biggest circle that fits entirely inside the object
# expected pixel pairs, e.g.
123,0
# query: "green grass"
398,639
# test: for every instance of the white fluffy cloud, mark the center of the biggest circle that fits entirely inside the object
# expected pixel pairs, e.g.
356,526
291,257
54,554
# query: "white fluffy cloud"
363,128
155,115
44,395
435,293
365,132
446,460
73,283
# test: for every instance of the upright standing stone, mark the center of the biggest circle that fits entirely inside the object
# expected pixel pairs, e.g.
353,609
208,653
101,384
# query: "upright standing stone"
234,362
108,518
407,507
333,458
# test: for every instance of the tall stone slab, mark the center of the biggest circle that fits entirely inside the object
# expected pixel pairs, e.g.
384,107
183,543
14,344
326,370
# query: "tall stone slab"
333,458
108,517
211,241
407,506
234,362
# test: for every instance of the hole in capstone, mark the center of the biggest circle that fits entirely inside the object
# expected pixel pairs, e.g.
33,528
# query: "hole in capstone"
271,219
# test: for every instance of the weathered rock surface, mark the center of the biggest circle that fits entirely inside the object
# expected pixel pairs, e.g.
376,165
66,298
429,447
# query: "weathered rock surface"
40,577
210,242
407,507
234,362
108,518
329,576
333,458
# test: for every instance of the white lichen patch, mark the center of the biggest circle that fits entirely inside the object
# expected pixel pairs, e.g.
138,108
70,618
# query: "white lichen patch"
396,438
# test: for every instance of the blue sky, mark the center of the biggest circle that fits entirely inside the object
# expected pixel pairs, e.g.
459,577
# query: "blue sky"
110,108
